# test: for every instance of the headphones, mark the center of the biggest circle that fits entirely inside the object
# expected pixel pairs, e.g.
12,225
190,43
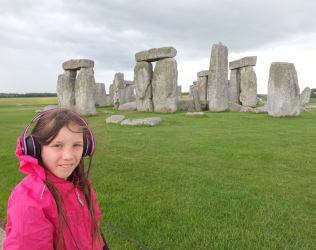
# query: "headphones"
31,147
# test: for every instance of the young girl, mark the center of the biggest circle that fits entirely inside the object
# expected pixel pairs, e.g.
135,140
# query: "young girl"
54,207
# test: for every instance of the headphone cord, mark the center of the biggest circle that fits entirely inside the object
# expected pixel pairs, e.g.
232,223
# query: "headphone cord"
69,229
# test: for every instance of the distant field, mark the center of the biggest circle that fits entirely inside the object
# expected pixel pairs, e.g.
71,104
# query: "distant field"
29,101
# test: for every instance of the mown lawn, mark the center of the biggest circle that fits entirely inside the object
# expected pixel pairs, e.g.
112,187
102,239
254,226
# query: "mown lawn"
219,181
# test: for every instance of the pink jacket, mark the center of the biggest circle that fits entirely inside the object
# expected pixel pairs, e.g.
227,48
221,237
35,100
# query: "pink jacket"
33,216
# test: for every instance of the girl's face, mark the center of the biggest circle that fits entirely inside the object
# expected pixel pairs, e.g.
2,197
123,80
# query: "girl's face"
63,154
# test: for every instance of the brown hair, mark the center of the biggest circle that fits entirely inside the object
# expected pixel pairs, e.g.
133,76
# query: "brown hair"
45,131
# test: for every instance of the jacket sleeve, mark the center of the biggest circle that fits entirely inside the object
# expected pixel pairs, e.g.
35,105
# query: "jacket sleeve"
28,225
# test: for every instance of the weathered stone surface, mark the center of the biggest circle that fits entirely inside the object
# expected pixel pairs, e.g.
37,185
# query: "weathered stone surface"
128,82
191,92
130,106
49,107
196,98
185,104
201,85
119,95
66,89
243,62
263,109
305,95
194,113
76,64
234,107
2,237
204,105
100,95
145,121
164,86
111,94
234,86
84,92
248,87
203,73
247,110
179,92
261,100
302,109
218,78
130,95
283,90
115,119
108,112
155,54
143,73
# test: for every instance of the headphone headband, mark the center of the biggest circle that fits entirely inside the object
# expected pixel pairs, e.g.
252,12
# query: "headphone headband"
32,148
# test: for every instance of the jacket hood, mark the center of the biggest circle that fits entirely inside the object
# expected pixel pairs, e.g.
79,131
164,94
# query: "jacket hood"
29,164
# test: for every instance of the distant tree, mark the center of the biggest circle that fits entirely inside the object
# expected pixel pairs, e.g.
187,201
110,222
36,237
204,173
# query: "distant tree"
313,93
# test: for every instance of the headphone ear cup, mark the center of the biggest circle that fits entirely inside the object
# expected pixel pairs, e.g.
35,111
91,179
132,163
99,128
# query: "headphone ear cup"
32,146
87,148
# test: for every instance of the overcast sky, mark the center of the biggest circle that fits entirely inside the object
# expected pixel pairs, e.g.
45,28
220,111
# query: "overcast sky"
37,36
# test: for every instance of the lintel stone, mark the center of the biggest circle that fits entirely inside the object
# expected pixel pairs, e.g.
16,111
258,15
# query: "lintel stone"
243,62
203,73
155,54
77,64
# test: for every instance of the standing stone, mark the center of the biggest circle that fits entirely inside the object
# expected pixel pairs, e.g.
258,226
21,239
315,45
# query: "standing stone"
283,90
100,98
248,87
129,93
179,92
196,98
119,96
164,83
143,73
218,78
234,86
201,84
84,92
111,90
305,95
66,88
191,92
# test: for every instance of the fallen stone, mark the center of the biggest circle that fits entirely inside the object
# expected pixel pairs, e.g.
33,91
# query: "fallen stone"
155,54
130,106
115,119
203,73
263,109
194,113
311,107
234,107
76,64
146,121
302,109
108,112
243,62
305,95
283,90
247,109
49,107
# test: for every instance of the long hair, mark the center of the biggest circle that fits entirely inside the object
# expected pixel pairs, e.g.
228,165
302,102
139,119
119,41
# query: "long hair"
45,131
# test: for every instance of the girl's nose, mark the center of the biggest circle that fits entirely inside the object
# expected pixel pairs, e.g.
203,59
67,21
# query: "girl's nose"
68,154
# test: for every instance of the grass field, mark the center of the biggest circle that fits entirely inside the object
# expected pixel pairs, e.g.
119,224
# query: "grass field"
220,181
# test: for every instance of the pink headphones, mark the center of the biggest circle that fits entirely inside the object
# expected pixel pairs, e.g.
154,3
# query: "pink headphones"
31,147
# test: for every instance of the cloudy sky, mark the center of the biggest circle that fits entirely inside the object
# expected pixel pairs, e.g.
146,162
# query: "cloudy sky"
37,36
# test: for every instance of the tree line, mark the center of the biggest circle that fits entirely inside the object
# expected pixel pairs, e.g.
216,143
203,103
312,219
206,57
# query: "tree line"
11,95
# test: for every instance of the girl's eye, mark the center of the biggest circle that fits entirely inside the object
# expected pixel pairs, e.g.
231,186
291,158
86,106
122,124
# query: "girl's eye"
78,145
57,146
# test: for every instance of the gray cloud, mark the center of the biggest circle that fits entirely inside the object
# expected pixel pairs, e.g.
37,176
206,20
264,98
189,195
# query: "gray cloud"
39,36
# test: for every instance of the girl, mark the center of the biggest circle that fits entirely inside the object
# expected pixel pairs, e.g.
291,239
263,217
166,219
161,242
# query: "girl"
54,207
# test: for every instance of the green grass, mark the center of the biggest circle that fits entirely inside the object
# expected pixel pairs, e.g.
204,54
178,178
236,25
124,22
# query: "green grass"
219,181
